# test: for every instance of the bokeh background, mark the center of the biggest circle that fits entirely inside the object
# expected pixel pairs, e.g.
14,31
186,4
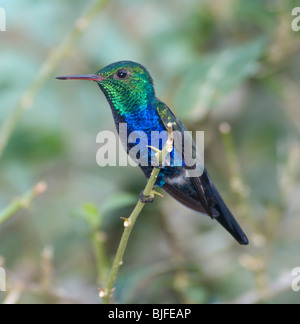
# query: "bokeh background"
230,68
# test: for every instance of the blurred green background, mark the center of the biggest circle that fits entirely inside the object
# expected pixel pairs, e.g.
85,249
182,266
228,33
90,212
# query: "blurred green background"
230,68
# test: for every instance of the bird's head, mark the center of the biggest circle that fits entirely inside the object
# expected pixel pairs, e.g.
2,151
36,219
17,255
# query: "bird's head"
127,85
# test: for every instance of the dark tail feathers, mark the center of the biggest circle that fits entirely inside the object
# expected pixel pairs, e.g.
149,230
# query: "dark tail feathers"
221,213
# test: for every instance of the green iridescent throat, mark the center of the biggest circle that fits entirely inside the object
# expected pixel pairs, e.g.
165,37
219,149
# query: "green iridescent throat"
127,95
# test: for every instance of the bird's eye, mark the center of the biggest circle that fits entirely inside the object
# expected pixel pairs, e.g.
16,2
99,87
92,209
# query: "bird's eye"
122,74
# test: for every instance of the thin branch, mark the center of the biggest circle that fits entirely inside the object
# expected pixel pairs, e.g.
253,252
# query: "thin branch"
22,202
14,295
281,285
98,240
106,293
45,72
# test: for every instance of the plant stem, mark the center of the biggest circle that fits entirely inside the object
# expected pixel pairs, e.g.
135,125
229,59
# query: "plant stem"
237,182
22,202
98,240
45,72
129,224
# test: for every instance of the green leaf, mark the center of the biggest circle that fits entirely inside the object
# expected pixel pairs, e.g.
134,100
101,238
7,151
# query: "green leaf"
207,82
91,214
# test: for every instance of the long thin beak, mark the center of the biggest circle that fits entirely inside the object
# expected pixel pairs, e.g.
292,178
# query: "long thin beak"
88,77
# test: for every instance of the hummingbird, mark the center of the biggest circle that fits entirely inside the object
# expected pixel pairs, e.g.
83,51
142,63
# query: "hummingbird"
129,90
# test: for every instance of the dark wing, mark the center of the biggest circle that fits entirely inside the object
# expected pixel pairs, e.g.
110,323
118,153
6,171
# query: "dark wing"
210,199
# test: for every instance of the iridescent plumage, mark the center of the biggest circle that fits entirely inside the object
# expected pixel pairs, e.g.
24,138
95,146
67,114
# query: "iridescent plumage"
129,90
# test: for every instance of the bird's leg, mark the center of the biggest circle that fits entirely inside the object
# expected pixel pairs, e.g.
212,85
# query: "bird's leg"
146,199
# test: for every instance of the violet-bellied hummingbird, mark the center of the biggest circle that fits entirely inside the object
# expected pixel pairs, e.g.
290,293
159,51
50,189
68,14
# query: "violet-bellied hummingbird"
129,89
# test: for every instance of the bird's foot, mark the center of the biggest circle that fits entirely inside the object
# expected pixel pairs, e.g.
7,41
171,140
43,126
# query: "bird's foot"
146,199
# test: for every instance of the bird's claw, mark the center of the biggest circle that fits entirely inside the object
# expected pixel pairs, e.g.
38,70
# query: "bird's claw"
146,199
